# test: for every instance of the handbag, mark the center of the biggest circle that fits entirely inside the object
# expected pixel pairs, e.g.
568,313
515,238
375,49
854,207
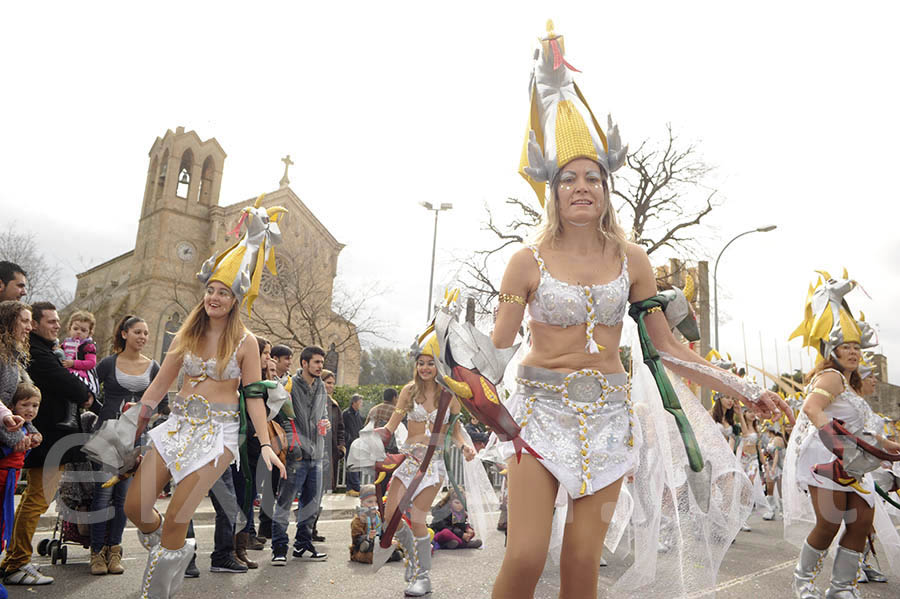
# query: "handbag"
278,439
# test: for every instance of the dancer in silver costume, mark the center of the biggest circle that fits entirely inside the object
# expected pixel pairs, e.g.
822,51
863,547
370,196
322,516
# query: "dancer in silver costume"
868,572
418,402
773,467
833,449
201,437
573,399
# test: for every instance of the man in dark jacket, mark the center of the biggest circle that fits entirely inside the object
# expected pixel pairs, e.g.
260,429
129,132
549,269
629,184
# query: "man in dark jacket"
306,433
353,422
43,466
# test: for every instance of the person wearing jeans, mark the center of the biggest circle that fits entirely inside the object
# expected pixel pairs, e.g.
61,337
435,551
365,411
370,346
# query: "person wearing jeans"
222,558
304,478
306,432
43,469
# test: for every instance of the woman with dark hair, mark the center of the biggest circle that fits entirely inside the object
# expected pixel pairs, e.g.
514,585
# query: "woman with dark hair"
246,538
723,414
837,441
123,378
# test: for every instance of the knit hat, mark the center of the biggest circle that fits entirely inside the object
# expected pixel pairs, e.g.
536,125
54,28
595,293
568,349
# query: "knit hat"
366,491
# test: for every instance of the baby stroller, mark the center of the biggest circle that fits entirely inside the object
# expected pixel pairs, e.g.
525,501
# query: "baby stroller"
73,506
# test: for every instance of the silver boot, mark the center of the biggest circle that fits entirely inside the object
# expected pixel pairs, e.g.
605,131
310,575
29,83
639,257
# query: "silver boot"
164,573
421,583
149,540
808,566
406,541
844,574
869,573
769,513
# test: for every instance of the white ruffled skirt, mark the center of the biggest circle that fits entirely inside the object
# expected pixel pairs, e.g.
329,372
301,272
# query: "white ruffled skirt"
196,433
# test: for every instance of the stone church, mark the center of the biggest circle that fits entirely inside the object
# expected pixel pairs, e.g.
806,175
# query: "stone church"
181,224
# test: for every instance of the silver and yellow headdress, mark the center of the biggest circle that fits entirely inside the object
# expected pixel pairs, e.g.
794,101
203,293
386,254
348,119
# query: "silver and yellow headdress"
716,359
240,267
426,343
866,366
827,320
561,125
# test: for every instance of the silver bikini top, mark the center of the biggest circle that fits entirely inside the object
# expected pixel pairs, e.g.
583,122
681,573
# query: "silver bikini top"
199,370
420,414
850,407
563,304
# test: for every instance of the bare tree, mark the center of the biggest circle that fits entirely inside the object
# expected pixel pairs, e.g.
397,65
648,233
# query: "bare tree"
663,194
666,192
306,307
19,246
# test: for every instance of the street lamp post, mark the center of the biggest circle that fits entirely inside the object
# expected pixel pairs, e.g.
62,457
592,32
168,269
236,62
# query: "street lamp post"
716,272
436,210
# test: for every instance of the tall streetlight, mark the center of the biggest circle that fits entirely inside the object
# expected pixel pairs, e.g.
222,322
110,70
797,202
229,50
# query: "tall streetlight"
436,210
716,272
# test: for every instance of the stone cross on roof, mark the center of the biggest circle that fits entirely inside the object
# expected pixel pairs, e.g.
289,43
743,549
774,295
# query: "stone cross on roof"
287,162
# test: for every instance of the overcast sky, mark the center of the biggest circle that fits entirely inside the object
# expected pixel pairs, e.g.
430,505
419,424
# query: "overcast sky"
384,105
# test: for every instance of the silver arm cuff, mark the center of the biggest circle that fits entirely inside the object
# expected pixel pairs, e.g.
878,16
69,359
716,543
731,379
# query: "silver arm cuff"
730,383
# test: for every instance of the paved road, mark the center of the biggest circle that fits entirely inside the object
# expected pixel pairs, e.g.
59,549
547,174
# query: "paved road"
758,566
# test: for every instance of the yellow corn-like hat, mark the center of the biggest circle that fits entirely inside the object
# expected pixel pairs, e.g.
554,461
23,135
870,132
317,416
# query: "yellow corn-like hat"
561,126
240,267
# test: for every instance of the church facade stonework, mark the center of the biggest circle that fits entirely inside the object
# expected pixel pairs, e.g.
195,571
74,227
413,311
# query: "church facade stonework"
181,224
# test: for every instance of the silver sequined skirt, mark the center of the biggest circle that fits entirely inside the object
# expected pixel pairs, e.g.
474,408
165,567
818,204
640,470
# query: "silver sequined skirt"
582,425
196,433
436,474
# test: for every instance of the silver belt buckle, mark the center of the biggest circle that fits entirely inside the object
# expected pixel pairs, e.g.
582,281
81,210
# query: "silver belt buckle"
586,388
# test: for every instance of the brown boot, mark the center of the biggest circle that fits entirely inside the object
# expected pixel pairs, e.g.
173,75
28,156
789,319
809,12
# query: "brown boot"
114,560
98,562
241,540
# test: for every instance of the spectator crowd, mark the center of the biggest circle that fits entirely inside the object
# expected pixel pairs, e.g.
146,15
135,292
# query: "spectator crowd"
54,391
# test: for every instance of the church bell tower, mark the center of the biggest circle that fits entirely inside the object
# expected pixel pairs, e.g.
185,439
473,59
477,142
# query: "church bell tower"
184,178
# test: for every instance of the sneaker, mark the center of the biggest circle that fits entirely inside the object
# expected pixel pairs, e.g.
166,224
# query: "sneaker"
27,575
746,527
192,571
352,493
227,564
309,552
279,556
318,538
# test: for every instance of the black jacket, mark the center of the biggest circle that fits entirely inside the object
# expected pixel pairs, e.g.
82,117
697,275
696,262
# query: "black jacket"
353,423
58,387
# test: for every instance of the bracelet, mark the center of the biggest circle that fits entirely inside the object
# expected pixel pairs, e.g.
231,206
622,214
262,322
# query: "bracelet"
509,298
269,445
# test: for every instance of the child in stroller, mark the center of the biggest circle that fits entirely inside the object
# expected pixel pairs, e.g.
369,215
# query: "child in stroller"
73,506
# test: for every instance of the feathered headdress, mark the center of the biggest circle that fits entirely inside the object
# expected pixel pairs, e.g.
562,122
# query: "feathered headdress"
240,267
561,126
827,319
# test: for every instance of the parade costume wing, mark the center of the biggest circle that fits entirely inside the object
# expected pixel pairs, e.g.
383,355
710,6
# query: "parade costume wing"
665,511
471,368
113,444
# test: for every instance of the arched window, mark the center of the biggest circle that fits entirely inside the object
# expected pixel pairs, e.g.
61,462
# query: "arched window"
161,177
169,329
206,180
151,177
184,174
